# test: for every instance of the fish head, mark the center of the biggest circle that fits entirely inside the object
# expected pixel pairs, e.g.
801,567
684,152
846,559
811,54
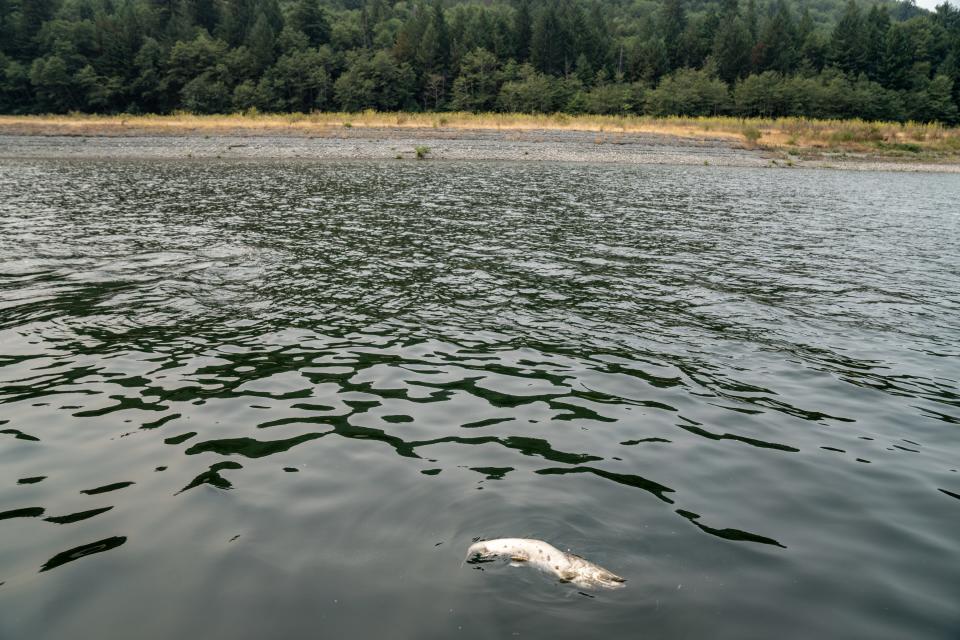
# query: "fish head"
587,575
480,552
610,580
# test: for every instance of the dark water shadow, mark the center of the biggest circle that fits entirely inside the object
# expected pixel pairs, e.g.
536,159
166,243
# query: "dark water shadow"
84,550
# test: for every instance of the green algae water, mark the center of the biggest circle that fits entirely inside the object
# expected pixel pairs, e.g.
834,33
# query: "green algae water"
251,400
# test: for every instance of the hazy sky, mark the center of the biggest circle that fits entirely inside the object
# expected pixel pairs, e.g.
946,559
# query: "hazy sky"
931,4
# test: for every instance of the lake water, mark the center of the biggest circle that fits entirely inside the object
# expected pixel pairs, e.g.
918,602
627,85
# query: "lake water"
250,400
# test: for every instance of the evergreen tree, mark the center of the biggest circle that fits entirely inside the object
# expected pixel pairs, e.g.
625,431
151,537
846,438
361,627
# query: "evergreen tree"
262,42
585,56
942,107
751,20
308,17
407,46
434,50
876,25
522,30
731,49
6,30
847,44
33,13
149,89
777,48
897,59
238,19
673,27
550,50
646,60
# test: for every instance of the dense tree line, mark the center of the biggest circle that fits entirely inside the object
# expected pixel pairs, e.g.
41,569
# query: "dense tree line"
690,57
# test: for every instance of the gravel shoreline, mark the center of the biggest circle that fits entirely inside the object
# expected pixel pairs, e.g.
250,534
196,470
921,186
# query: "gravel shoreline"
444,144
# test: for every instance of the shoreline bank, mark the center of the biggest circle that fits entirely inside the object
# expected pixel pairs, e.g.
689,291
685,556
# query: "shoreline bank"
240,138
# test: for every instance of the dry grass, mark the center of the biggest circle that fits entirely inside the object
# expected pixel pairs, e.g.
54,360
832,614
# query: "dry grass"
793,135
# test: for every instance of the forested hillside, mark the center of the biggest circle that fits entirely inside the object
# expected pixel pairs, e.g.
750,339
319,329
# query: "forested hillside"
812,58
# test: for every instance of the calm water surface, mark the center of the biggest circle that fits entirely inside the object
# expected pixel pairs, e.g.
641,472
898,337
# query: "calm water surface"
280,400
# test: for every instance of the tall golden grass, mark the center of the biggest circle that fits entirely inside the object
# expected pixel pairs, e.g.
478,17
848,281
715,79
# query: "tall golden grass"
785,134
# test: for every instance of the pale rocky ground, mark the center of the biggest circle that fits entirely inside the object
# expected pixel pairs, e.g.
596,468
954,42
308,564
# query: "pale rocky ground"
444,144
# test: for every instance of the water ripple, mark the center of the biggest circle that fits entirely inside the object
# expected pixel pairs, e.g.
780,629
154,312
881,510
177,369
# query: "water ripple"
311,376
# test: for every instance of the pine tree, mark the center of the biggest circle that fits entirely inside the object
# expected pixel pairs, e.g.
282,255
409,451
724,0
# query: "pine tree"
307,16
897,60
550,50
407,45
238,19
731,48
33,13
875,31
940,100
674,24
6,36
522,29
779,42
262,42
847,47
750,18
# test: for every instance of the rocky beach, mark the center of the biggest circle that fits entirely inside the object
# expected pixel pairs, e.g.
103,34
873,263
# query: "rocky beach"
436,144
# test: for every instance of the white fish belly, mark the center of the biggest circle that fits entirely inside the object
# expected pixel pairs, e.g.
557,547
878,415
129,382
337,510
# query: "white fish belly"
543,556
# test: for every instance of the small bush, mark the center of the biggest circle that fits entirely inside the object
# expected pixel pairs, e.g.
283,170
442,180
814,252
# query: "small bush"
844,135
421,152
752,134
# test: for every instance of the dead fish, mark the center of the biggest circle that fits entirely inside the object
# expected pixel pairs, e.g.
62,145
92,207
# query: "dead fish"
568,567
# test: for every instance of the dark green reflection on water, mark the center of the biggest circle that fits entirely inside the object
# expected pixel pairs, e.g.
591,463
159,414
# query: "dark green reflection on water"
27,512
212,476
77,517
107,488
82,551
727,534
629,480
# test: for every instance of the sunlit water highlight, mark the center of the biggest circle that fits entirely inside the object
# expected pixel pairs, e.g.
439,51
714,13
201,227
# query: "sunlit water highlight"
245,400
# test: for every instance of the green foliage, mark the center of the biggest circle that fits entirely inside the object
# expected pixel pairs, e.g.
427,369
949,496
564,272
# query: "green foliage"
673,26
732,49
16,92
375,81
847,45
934,102
477,85
307,17
56,88
689,92
609,99
763,95
770,58
827,95
207,93
533,92
298,82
